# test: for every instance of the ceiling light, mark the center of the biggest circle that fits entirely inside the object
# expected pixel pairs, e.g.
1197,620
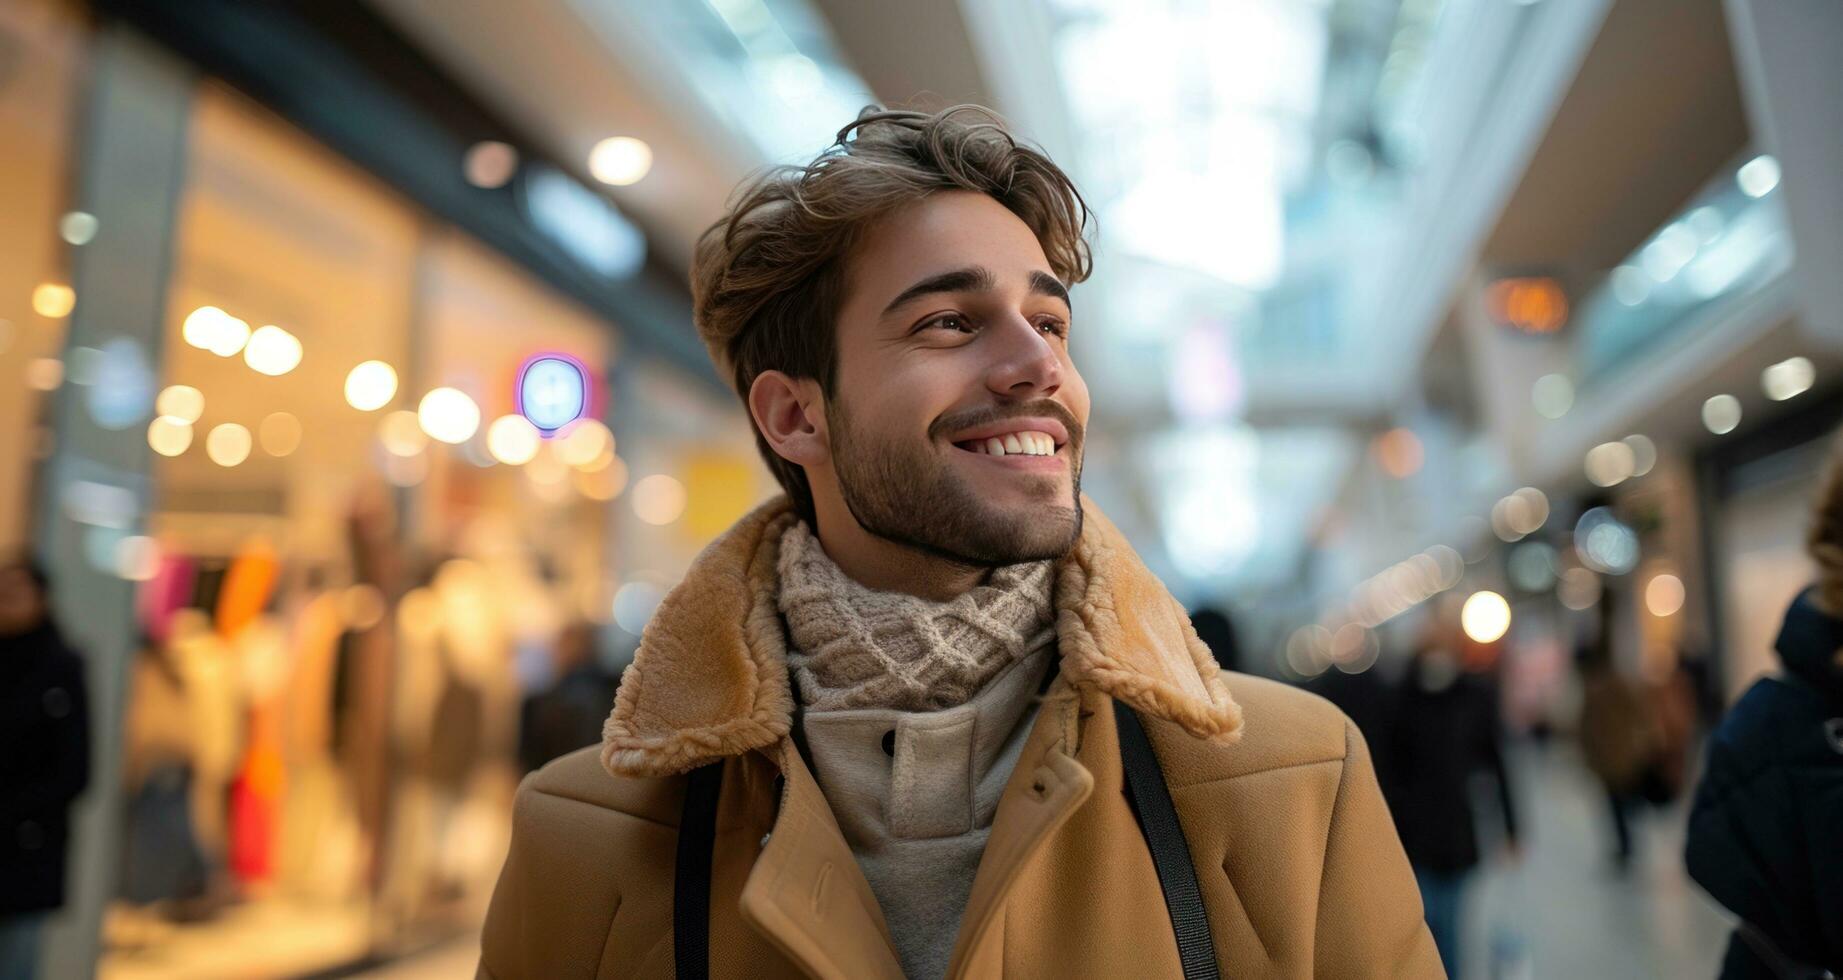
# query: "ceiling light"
620,160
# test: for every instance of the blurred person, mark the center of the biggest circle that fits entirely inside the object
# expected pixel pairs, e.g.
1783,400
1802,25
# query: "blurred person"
901,691
567,715
1444,728
1620,741
1764,827
44,762
1217,631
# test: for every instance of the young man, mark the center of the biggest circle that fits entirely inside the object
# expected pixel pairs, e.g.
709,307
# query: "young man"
900,680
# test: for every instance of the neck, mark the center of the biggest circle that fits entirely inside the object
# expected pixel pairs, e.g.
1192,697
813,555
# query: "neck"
888,566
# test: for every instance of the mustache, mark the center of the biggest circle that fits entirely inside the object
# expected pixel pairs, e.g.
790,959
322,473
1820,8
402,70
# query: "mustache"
985,414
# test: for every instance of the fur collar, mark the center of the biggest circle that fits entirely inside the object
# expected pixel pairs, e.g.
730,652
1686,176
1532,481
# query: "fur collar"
710,678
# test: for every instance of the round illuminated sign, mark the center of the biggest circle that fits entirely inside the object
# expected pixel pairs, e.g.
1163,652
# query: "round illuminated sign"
553,391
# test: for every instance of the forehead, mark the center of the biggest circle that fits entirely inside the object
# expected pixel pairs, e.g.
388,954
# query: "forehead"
945,230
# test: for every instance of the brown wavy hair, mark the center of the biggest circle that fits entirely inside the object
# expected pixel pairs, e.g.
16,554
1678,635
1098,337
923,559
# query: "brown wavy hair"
768,278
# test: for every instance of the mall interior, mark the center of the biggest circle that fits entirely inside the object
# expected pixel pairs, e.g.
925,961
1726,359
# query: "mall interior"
350,400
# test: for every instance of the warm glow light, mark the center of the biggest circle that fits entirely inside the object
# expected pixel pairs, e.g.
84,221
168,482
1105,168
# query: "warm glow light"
401,434
1399,453
371,385
620,160
605,483
489,164
658,499
1610,464
44,373
183,403
201,326
169,436
1721,414
228,444
279,433
1534,304
53,299
1644,453
448,415
1664,595
1789,378
512,440
272,351
212,329
1485,617
583,442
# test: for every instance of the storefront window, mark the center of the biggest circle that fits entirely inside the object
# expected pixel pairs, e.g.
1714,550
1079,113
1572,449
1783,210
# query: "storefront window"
42,57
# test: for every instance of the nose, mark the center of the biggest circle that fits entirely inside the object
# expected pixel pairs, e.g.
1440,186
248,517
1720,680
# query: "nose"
1028,364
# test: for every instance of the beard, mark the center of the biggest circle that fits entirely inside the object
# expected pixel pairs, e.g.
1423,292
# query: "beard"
902,491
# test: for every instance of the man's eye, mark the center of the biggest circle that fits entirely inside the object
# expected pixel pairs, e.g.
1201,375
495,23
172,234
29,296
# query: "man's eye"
1054,327
950,321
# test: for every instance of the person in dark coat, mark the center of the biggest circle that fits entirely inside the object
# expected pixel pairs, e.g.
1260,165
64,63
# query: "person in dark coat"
569,715
44,763
1766,829
1444,728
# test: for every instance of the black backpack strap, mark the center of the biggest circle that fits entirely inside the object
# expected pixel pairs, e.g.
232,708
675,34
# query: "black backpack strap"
1164,836
697,833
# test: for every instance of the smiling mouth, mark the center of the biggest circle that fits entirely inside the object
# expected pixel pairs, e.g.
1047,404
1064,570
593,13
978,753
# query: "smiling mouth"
1027,443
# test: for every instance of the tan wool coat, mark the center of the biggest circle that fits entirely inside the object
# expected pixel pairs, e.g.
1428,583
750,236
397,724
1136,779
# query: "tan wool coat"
1299,866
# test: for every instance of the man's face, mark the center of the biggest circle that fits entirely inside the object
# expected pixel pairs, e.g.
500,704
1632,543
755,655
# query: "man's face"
957,420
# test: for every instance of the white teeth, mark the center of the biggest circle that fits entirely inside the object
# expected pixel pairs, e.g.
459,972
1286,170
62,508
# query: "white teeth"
1026,443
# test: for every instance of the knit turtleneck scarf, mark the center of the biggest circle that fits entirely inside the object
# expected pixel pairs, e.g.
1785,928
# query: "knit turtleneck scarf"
856,647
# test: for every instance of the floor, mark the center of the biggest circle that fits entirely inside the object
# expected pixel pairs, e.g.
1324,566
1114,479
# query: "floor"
1562,911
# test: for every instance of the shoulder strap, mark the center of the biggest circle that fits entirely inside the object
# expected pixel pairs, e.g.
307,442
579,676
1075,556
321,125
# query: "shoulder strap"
1177,875
697,832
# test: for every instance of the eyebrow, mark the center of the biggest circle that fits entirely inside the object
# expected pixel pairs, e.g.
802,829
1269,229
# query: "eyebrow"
976,279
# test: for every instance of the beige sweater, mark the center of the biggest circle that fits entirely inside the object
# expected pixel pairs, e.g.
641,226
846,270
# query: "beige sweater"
914,715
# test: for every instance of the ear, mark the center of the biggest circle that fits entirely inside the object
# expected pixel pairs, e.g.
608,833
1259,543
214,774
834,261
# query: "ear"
790,413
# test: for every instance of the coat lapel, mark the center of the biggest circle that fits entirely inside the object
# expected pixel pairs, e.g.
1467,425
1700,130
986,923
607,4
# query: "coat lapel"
806,893
710,678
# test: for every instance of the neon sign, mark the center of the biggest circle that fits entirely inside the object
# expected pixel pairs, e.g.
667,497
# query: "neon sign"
553,390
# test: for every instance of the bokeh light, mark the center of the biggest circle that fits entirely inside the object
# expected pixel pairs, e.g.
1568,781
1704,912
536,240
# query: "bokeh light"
228,444
512,440
402,434
1788,379
169,436
1578,588
53,300
182,403
279,433
1644,453
44,373
620,160
1664,595
1722,414
1758,177
1485,617
1552,395
1610,464
371,385
1399,452
658,499
583,441
78,227
448,415
272,351
489,164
